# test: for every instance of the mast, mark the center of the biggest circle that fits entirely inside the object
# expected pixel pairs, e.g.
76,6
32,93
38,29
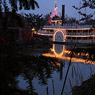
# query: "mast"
55,3
55,9
55,12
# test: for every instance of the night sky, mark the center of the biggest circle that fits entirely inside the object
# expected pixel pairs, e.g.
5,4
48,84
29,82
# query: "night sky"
47,5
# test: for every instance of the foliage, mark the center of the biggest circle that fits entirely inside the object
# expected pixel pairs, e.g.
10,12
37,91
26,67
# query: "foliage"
86,3
18,5
70,20
86,88
8,15
13,65
36,21
90,22
8,20
46,18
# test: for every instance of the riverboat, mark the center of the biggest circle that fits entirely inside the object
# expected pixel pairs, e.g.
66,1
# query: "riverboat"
72,33
57,31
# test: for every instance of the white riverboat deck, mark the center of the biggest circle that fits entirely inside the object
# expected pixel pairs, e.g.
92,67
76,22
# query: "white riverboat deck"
67,26
72,33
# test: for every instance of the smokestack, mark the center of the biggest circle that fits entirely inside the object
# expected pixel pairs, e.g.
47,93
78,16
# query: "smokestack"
63,13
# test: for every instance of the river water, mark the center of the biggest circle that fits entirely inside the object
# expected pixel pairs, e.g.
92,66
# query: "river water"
47,75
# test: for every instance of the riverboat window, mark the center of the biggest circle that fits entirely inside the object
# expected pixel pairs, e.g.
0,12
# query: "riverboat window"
74,31
90,38
78,38
84,38
69,31
68,37
85,31
47,30
51,30
78,31
74,38
91,30
44,30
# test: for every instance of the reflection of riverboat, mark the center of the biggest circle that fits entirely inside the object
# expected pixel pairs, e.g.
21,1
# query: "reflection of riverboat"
60,52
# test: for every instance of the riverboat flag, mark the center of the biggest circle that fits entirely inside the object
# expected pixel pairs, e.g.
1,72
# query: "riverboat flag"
52,15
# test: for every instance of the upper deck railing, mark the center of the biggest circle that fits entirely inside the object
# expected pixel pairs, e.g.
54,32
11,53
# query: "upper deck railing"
68,26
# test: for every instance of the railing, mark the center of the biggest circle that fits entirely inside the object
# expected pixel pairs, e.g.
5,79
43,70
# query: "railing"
91,33
46,32
68,26
70,34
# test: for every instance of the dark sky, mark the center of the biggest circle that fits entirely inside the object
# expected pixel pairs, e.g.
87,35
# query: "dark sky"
47,5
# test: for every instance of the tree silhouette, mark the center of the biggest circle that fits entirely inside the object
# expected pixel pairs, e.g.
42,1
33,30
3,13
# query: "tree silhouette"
36,21
86,3
13,65
10,17
18,4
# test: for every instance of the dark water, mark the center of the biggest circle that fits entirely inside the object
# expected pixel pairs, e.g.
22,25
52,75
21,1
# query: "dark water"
82,67
43,72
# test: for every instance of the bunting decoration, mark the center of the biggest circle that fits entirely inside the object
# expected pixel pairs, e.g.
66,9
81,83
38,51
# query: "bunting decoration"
54,14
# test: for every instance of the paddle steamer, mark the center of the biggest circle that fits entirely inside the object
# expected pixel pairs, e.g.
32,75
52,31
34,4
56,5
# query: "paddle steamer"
57,31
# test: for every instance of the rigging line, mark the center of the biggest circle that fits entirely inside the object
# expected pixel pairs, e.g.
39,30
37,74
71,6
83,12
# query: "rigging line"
79,7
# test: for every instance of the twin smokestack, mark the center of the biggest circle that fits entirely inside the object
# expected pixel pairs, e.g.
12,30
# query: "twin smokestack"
63,13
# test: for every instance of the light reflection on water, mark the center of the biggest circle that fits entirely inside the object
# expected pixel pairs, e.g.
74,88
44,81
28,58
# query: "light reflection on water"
82,67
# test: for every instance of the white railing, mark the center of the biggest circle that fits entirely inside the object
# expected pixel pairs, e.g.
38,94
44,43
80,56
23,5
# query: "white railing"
68,26
92,33
47,32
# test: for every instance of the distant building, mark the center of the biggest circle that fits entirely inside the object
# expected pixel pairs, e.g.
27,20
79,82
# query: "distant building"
14,25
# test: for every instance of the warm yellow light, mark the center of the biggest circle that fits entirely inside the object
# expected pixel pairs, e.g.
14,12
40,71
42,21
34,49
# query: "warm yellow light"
52,49
45,34
33,29
58,54
35,32
56,63
56,33
68,58
87,54
64,51
67,51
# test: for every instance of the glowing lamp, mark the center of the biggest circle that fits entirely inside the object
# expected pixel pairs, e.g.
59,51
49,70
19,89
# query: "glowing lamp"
33,29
